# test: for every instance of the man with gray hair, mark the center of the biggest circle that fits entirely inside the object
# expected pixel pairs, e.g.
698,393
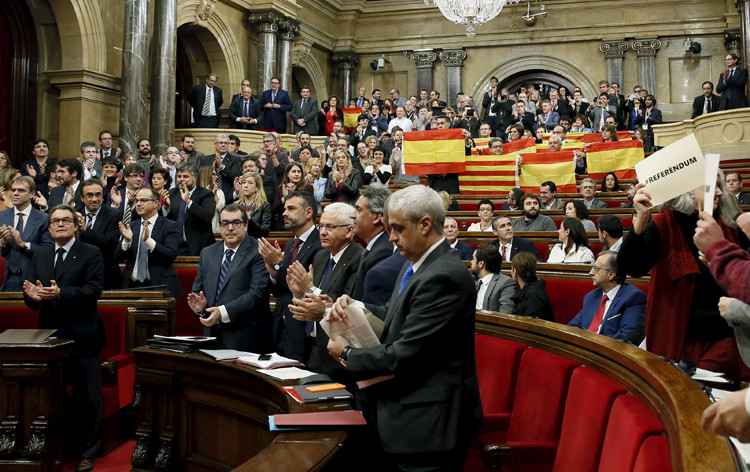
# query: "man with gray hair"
427,344
369,226
206,101
588,190
193,208
333,274
276,160
554,143
226,165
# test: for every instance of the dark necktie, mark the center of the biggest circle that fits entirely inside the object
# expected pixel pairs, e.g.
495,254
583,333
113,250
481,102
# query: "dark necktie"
59,260
224,269
407,277
273,96
142,256
708,105
245,111
599,315
207,104
295,250
327,274
89,221
304,101
128,211
19,225
479,286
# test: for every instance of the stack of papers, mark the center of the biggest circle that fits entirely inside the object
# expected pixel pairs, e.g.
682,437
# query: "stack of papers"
288,373
275,361
225,354
180,343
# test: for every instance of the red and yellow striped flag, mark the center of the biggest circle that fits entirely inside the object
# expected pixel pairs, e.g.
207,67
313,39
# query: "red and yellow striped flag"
350,118
440,151
481,146
559,167
619,157
488,174
597,137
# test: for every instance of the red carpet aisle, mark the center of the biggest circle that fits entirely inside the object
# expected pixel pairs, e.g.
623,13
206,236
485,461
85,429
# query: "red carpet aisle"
116,461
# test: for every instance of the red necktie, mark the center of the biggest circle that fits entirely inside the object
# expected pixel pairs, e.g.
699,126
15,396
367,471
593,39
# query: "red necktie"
502,251
599,315
295,250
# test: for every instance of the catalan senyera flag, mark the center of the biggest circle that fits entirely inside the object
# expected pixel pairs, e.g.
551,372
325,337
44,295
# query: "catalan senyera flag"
440,151
559,167
569,137
350,118
488,174
619,157
597,137
481,146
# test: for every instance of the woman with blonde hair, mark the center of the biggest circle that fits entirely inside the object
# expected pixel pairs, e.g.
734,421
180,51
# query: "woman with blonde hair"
344,181
7,176
207,179
314,177
253,200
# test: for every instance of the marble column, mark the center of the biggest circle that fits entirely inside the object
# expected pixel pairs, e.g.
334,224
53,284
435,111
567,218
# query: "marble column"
288,30
613,53
453,59
133,84
163,82
743,8
646,50
733,42
346,62
423,59
267,25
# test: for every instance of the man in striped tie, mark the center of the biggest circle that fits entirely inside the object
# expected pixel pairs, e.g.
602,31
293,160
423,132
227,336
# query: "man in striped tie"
229,293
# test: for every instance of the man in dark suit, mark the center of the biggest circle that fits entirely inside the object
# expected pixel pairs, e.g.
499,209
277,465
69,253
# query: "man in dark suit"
614,308
23,231
229,292
244,110
333,274
275,103
227,166
732,83
37,168
64,283
369,226
509,245
276,159
708,102
379,281
69,174
305,113
494,289
450,230
733,183
99,227
427,344
124,199
193,208
149,246
206,101
106,151
300,210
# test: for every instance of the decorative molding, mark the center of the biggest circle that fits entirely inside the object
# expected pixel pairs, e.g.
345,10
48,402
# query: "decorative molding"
733,40
288,29
646,47
346,60
614,49
453,57
8,436
302,57
205,9
93,38
739,5
423,59
37,443
164,462
266,21
140,457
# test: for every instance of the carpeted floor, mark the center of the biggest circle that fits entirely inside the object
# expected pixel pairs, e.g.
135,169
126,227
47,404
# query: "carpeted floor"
116,461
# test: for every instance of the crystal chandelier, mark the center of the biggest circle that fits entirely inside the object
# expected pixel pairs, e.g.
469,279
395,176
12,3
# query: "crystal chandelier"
470,12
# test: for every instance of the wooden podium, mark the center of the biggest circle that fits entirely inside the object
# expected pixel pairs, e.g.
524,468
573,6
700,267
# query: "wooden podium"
32,387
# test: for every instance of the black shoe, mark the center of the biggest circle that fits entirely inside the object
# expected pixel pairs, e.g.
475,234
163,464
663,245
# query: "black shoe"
85,465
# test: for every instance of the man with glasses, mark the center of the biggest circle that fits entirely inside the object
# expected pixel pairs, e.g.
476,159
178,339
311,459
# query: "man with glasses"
64,284
23,231
124,198
275,103
615,309
732,83
106,151
229,293
397,99
206,101
708,102
226,165
149,246
98,227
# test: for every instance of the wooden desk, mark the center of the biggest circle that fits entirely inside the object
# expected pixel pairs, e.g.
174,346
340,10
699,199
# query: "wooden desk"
197,414
32,386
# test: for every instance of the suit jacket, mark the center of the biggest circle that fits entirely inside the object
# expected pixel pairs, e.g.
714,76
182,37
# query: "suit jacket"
35,233
259,222
243,294
349,190
743,198
309,113
464,250
236,110
734,88
196,220
380,280
520,245
197,98
558,204
498,295
121,209
597,204
167,235
275,118
595,116
340,282
382,249
57,196
232,168
105,235
623,319
549,124
718,103
288,333
434,389
654,119
74,313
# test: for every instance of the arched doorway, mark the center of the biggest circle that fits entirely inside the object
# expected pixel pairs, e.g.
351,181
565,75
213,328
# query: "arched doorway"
19,74
542,80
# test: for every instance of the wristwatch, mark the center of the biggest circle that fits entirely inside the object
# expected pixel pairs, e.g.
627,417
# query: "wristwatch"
277,266
345,354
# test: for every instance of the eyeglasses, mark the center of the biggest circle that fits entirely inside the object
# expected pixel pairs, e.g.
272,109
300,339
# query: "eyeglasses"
233,223
144,200
57,221
331,227
484,210
598,268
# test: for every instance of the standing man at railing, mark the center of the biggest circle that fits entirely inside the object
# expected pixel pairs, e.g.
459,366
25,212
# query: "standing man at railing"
276,103
732,83
206,101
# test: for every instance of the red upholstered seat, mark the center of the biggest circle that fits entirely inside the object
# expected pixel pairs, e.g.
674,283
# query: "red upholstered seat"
187,323
566,297
654,456
543,249
596,248
589,401
630,423
18,318
118,381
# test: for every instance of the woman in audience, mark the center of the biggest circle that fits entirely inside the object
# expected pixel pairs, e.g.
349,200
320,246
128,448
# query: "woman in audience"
609,134
291,182
305,154
610,183
515,132
531,299
388,109
485,210
322,118
534,103
363,153
540,131
580,125
682,316
344,181
574,244
577,209
7,176
640,135
314,177
253,199
207,179
4,160
161,181
377,172
334,113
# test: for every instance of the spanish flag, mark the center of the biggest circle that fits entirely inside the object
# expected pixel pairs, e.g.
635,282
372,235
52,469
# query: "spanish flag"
597,137
559,167
488,174
350,118
440,151
619,157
